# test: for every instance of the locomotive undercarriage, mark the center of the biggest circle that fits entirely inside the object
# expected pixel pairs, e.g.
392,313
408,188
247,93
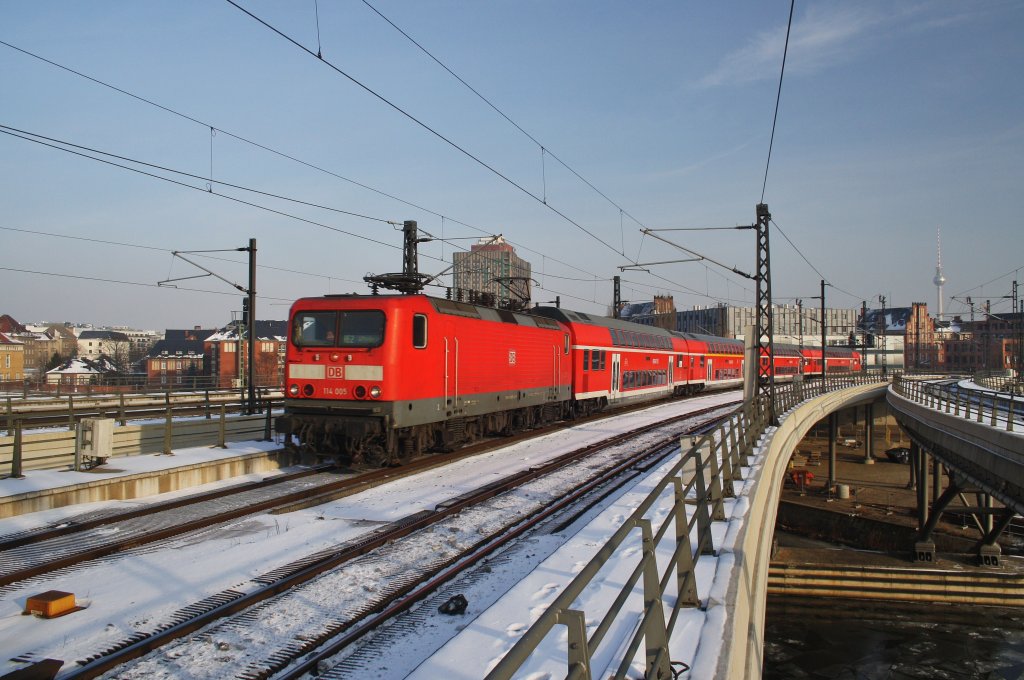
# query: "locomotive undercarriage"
355,440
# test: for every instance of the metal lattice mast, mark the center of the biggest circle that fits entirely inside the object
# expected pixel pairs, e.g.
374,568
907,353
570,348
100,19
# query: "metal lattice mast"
765,326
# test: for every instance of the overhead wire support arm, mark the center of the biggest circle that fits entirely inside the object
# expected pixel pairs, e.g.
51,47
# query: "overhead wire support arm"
248,309
640,266
734,270
178,254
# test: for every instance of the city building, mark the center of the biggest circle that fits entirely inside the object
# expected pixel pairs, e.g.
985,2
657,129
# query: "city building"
179,359
12,360
83,371
112,344
39,347
994,343
228,356
792,323
492,268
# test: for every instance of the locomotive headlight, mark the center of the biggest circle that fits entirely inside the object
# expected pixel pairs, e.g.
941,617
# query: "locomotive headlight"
293,390
375,392
335,356
308,390
360,392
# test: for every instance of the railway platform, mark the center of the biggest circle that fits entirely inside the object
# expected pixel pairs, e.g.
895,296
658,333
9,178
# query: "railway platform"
134,477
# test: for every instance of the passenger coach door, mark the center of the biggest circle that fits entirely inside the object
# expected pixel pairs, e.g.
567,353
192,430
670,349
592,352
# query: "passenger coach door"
710,373
615,375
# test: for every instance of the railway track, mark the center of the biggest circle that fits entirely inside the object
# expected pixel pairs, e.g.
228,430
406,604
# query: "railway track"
36,552
243,609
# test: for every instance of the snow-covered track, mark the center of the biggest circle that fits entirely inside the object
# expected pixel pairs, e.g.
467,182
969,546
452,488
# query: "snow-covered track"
383,573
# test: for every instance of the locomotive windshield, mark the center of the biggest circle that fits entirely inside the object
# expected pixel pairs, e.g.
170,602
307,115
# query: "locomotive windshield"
353,328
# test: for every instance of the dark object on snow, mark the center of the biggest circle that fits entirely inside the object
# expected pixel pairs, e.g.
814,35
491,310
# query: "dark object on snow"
454,606
899,454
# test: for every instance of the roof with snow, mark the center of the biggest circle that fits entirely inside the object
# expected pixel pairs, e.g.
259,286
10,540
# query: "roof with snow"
176,346
101,365
265,330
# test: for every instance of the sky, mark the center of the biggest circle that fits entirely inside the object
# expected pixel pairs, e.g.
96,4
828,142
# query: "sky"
565,126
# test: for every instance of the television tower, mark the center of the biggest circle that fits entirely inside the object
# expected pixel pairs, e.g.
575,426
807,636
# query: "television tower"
940,278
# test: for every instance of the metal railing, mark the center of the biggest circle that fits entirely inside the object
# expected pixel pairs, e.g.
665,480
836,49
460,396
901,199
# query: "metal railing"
1000,382
48,410
164,422
696,485
997,409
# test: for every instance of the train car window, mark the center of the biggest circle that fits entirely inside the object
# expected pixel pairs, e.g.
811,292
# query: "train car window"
314,329
586,359
419,331
566,350
595,361
361,328
603,353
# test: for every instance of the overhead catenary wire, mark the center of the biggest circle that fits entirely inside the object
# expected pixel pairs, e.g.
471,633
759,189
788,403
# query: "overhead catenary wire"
277,152
55,144
25,134
140,284
426,127
171,250
543,149
778,98
1015,270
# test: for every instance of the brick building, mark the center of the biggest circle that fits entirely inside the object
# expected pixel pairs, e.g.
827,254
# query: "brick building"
228,355
179,360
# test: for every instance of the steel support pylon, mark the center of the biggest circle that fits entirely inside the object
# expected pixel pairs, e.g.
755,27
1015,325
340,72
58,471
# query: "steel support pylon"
765,325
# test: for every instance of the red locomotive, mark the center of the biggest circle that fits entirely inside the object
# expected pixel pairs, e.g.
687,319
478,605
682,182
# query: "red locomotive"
377,378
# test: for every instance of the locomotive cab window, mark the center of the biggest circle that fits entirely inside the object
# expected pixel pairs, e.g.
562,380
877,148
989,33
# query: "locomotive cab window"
353,328
361,328
419,331
314,329
566,350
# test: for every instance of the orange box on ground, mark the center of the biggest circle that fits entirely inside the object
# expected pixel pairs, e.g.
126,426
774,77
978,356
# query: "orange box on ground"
50,604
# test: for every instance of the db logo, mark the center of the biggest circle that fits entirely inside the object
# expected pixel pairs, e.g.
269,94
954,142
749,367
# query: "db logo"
511,357
336,372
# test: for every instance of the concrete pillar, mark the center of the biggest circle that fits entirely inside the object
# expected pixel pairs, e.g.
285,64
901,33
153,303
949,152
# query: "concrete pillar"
928,498
936,478
869,419
922,488
832,433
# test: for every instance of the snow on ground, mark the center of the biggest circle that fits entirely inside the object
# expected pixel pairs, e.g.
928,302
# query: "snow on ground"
140,588
122,466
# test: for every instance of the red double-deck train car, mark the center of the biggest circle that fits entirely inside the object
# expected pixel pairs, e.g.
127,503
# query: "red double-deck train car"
839,361
377,378
617,361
